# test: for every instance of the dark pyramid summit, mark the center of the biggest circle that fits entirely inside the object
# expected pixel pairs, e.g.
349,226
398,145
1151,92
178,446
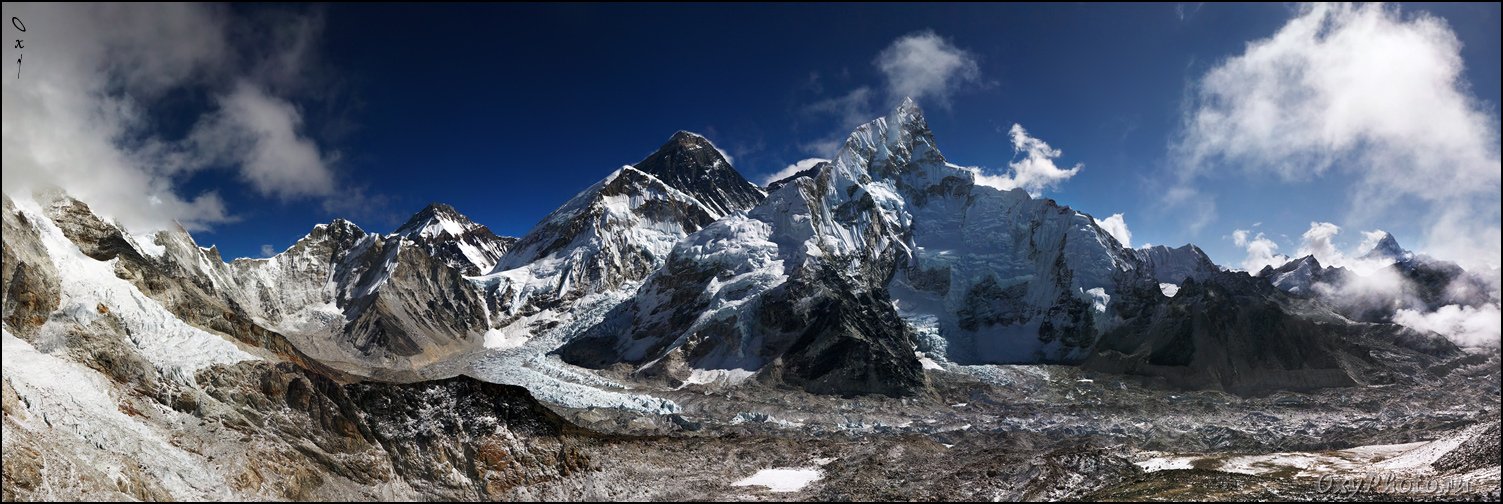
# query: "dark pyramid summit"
690,163
1387,248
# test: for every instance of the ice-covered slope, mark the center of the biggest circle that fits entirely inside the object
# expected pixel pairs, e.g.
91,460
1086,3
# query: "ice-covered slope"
455,240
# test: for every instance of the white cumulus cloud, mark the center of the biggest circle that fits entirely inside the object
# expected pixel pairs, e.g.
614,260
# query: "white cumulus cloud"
1463,325
1318,241
260,134
1261,251
1374,92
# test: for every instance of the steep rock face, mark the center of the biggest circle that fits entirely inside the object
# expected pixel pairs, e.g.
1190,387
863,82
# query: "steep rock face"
380,302
1174,265
1009,278
413,307
1241,335
855,343
612,235
300,290
455,240
28,280
375,305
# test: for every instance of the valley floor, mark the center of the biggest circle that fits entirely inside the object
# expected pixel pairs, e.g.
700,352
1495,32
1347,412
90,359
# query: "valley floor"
1039,432
271,431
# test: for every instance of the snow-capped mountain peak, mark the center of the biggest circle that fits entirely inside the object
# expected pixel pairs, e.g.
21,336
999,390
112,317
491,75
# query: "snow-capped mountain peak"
902,139
690,163
1296,276
454,239
1387,248
887,237
436,219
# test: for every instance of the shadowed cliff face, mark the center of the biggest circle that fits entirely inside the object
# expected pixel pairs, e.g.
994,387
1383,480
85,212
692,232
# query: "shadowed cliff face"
1240,334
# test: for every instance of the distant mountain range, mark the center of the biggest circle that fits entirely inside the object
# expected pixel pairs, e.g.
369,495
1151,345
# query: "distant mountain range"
837,280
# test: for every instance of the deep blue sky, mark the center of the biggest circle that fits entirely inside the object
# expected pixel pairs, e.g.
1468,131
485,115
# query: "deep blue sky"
506,111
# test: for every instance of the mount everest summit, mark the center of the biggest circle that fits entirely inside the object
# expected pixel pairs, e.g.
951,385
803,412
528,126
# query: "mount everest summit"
877,274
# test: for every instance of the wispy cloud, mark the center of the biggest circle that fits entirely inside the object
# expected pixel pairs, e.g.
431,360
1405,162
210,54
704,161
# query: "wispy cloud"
1185,12
922,65
1116,226
1035,172
790,170
925,65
